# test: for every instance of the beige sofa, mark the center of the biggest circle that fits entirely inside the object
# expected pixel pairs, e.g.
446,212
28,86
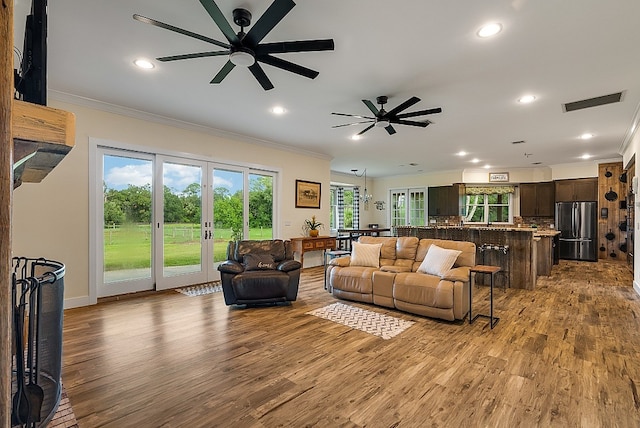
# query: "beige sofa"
397,282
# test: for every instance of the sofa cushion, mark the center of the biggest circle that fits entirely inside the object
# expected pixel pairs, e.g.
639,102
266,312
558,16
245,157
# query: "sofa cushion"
388,249
367,255
421,289
466,258
438,261
275,247
259,261
395,268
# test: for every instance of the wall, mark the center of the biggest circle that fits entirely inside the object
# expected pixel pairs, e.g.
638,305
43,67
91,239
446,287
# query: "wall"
51,219
630,150
380,187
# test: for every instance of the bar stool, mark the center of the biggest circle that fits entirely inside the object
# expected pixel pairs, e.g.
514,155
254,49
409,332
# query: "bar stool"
497,251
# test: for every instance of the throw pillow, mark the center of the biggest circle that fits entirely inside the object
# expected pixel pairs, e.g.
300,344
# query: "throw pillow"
258,261
367,255
438,261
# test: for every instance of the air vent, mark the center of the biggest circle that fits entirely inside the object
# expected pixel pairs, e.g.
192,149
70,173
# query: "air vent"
593,102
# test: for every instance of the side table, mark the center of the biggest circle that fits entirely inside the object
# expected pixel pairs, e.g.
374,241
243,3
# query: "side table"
492,270
329,255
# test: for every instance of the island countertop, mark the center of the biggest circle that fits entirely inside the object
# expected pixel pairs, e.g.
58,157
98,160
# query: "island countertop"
517,250
536,231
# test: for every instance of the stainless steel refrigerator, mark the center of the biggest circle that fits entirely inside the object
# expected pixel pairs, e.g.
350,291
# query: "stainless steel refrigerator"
577,223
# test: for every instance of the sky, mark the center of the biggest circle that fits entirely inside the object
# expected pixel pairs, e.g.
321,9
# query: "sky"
120,172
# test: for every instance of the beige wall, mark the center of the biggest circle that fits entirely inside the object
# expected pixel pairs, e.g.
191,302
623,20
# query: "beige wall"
379,187
51,219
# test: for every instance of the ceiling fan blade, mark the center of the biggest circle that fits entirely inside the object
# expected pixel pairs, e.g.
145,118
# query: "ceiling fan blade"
216,14
411,123
297,46
354,115
288,66
405,105
226,69
349,124
184,32
366,129
390,130
268,20
420,113
192,55
371,107
260,76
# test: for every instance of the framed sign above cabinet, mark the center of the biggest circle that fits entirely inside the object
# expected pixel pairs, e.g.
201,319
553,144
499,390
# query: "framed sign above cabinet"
498,177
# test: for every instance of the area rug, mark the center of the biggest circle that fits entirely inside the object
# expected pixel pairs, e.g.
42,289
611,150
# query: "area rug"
201,289
384,326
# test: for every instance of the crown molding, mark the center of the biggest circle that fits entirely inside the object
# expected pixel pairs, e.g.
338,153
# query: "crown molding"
150,117
631,132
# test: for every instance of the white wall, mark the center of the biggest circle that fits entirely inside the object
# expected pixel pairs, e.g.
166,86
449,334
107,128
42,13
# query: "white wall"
380,187
631,150
51,219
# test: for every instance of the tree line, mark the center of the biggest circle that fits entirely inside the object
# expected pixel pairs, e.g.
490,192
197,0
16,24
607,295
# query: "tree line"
133,205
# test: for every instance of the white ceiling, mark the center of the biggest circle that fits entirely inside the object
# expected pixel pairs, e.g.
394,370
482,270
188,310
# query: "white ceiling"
560,51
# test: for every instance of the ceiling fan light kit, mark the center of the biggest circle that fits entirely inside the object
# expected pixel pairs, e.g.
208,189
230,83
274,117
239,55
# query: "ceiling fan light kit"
241,58
245,49
385,119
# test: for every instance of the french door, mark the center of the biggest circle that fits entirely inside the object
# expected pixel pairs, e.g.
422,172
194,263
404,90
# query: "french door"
408,207
168,220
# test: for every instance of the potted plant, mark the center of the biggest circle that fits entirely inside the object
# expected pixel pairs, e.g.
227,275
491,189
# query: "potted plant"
312,226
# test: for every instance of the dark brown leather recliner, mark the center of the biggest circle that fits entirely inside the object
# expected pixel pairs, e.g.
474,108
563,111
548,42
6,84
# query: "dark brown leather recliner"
259,273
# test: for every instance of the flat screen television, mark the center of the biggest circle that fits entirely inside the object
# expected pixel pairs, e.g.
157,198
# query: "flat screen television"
31,76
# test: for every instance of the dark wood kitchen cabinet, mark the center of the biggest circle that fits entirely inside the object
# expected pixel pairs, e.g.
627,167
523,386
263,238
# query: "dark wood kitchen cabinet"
537,199
445,200
579,189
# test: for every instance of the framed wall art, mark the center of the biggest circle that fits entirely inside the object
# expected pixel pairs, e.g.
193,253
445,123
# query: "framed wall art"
308,194
498,177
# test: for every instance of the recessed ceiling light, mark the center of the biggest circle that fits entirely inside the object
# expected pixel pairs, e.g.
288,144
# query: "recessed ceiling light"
355,137
143,63
475,160
586,136
278,110
586,156
462,153
487,166
526,99
489,30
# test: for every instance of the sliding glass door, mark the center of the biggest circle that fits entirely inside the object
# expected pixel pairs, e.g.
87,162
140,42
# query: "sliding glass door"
167,220
181,232
125,214
240,214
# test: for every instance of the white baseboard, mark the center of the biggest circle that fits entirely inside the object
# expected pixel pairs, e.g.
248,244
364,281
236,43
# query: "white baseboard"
636,287
76,302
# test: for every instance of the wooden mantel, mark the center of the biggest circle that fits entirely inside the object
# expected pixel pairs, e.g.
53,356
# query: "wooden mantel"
42,136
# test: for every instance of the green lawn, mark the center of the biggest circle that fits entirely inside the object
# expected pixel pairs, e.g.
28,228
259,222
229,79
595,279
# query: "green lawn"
129,246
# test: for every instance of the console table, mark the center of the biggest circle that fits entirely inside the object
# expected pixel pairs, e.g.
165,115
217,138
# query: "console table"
307,243
492,270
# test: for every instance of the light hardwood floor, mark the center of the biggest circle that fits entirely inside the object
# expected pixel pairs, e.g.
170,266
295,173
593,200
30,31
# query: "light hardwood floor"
566,354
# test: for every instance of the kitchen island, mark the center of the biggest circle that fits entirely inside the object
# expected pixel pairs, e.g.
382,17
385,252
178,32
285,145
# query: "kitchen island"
522,253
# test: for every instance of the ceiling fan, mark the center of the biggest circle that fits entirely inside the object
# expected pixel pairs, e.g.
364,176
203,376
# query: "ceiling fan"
245,49
384,119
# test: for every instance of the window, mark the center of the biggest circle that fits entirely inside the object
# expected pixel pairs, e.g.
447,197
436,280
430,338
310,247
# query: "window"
489,208
344,208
